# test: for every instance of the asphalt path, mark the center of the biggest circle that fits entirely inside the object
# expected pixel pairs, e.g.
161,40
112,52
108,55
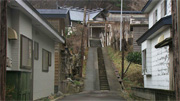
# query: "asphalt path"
91,89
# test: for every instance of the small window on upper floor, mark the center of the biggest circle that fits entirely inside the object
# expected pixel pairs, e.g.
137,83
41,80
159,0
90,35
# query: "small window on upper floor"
155,16
36,50
164,8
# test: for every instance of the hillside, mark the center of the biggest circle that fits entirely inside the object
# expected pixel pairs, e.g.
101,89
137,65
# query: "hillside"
133,5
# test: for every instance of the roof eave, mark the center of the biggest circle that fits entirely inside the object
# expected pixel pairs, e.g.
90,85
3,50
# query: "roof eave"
162,22
31,10
149,6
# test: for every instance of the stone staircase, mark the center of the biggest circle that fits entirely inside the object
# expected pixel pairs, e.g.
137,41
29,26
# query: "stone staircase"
95,43
104,85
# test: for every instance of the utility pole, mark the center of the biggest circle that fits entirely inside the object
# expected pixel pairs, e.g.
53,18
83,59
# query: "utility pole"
122,74
3,48
175,37
105,39
88,26
82,42
120,37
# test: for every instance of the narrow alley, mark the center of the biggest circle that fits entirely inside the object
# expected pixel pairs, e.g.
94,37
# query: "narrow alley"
94,89
89,50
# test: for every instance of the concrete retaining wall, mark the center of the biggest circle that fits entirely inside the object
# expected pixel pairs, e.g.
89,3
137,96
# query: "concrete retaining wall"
154,94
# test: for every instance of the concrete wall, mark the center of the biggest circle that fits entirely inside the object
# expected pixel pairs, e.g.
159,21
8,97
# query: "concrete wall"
158,7
157,63
154,94
43,83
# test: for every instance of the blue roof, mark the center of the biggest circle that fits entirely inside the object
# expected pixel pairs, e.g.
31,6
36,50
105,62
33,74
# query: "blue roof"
162,22
124,12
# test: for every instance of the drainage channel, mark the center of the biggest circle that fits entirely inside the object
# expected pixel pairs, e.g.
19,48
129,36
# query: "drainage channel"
104,85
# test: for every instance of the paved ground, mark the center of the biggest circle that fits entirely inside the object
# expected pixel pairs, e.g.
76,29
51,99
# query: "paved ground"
92,80
94,96
91,91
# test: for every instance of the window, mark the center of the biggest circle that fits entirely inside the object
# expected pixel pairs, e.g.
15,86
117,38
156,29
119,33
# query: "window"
36,50
164,8
46,60
144,61
26,52
155,16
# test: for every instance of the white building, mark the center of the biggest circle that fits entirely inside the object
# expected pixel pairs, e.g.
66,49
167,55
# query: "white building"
30,51
156,46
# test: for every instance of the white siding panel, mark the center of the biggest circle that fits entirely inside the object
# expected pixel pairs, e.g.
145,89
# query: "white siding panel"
159,63
43,81
158,7
9,24
25,25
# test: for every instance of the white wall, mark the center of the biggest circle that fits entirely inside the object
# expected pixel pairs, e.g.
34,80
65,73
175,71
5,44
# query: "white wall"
158,62
43,84
9,24
158,7
25,26
43,81
22,25
13,46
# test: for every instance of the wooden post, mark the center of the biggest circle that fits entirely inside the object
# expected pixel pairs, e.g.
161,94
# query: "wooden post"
82,42
3,48
175,35
122,72
105,44
88,30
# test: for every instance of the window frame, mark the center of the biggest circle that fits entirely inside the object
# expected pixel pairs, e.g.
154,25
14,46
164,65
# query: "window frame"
49,59
164,8
144,62
155,16
36,55
21,53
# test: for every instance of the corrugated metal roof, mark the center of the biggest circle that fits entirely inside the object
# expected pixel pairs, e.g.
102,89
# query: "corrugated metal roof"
124,12
76,15
53,11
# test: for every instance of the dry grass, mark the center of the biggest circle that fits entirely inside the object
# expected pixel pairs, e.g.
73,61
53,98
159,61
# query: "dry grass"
133,77
85,62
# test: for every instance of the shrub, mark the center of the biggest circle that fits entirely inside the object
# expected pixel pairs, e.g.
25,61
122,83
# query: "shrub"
134,57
